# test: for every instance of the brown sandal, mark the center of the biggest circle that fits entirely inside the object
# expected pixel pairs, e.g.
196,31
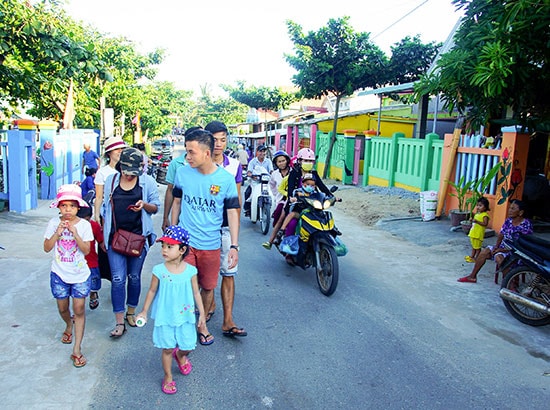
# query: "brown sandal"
78,361
116,333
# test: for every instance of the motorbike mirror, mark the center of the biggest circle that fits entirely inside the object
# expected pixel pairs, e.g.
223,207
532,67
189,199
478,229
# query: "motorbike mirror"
333,188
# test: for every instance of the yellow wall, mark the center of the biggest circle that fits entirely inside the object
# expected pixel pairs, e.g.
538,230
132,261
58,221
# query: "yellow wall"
363,122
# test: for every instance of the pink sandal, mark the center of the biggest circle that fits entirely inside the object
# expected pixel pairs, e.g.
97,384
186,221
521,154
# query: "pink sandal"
169,388
186,368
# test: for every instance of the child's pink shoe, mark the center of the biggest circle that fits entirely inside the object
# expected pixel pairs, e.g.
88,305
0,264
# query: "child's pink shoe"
185,368
169,388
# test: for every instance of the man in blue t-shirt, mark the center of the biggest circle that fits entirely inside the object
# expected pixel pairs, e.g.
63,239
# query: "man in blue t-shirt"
202,191
90,159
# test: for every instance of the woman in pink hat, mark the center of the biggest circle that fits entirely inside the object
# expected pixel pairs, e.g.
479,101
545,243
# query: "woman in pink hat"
70,236
112,148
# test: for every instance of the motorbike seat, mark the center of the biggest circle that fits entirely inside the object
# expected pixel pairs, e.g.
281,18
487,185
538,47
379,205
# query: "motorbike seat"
536,247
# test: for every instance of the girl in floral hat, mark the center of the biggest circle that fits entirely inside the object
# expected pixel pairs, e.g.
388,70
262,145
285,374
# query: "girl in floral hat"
174,296
70,236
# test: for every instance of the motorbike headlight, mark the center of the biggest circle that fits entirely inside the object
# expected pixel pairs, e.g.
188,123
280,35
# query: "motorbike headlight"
317,204
327,204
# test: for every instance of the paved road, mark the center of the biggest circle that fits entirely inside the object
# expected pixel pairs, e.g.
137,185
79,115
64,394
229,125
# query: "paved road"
399,332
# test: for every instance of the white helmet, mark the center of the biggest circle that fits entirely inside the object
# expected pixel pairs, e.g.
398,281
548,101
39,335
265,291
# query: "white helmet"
306,153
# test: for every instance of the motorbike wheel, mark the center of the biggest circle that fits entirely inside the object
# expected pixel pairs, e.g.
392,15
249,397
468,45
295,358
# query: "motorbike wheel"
528,283
265,218
327,276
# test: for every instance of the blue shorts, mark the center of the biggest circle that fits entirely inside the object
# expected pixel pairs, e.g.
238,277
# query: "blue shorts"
62,290
169,337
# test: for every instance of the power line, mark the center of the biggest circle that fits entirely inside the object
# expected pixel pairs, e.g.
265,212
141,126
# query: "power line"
401,18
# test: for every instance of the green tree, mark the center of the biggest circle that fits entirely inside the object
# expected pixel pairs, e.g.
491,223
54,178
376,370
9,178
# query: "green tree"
260,97
335,60
499,61
41,49
410,59
210,108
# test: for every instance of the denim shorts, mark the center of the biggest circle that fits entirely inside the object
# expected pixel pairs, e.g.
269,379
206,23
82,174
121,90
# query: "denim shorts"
62,290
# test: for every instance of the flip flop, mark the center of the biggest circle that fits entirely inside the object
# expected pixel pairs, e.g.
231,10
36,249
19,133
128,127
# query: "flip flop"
186,368
209,316
94,303
169,388
235,331
78,361
466,279
67,338
204,337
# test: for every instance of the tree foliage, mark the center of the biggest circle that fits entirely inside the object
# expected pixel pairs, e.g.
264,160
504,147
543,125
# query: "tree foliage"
41,49
334,60
500,60
260,97
410,59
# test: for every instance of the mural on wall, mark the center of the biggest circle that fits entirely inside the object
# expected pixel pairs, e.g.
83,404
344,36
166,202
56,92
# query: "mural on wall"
508,178
47,167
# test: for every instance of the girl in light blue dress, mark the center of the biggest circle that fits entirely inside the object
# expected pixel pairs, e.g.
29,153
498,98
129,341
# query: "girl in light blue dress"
174,296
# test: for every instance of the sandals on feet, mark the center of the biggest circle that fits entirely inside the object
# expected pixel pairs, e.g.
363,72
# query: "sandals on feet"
206,339
94,300
117,332
67,338
169,388
131,319
467,279
78,361
267,245
185,368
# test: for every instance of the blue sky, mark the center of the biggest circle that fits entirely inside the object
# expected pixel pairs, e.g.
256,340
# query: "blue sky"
220,41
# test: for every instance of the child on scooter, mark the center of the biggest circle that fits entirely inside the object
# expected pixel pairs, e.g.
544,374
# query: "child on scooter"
308,188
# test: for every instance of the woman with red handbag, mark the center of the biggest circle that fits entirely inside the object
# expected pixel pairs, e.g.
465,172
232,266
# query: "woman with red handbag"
130,200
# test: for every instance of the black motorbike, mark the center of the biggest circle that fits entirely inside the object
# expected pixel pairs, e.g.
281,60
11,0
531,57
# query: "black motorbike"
158,168
315,243
526,287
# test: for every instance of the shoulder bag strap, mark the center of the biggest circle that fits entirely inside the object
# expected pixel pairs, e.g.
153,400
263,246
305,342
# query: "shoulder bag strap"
111,201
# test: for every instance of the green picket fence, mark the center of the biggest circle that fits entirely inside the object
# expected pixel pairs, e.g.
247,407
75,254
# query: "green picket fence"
413,164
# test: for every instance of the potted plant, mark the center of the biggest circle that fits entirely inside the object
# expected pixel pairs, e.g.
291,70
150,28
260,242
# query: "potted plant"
460,192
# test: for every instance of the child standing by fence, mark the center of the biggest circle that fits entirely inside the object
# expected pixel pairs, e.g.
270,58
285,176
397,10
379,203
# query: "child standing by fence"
70,238
174,296
477,232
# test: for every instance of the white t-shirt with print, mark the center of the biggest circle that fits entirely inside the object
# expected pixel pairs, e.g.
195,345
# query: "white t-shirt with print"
69,262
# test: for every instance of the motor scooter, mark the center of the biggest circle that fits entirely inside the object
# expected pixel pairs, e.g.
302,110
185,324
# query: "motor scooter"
525,289
159,168
315,241
260,198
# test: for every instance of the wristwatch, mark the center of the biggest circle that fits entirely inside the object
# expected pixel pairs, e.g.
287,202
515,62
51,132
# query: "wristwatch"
236,247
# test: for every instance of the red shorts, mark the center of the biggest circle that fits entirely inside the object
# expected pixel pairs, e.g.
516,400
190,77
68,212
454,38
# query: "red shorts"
207,264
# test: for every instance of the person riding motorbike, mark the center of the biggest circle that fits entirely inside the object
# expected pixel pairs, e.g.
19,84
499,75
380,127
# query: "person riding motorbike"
259,160
281,163
305,160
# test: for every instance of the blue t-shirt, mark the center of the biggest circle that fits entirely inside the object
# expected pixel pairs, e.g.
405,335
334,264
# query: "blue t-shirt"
203,200
174,303
89,158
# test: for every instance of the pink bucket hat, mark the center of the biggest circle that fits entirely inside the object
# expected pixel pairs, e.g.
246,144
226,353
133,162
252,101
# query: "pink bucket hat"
113,143
69,192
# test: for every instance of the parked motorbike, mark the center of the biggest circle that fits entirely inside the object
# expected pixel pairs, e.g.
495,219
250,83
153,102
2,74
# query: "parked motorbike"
526,287
260,198
159,168
315,243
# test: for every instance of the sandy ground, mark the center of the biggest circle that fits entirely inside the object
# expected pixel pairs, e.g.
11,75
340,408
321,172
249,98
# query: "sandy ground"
369,207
